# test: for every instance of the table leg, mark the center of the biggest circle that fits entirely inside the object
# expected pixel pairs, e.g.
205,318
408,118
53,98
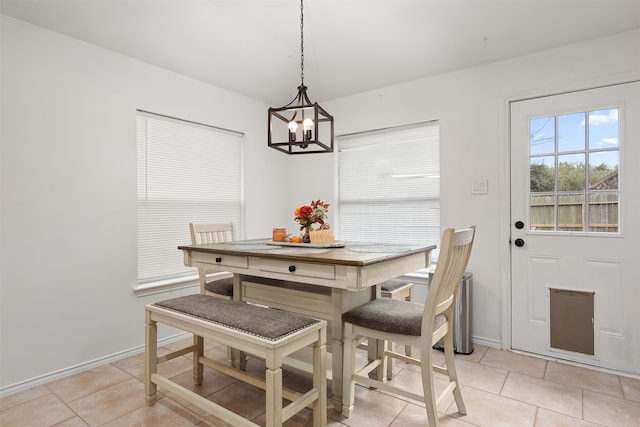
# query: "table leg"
341,302
238,358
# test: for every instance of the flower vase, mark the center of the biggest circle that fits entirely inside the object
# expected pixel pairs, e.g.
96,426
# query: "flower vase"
306,238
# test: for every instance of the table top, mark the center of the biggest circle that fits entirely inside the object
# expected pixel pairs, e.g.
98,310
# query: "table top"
353,253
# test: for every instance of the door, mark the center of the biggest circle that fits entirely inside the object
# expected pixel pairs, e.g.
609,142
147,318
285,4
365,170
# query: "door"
575,226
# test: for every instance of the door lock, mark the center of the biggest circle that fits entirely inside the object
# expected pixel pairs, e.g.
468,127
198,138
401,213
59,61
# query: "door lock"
519,225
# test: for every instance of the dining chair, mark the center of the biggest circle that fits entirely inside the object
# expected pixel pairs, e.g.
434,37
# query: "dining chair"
410,323
213,233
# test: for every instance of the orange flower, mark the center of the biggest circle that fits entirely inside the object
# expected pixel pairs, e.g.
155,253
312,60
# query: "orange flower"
305,211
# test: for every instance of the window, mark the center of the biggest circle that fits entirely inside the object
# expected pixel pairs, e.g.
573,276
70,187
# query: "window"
187,172
573,172
389,185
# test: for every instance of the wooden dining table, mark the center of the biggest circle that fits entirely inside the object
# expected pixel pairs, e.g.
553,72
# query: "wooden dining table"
322,281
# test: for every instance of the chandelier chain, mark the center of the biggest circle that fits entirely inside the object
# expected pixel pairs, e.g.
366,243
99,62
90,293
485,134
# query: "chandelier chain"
302,41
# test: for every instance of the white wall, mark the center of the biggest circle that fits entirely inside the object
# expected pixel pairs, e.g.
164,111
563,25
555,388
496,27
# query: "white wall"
68,211
68,178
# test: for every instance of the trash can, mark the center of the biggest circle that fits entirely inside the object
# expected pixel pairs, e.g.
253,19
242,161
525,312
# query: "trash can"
463,331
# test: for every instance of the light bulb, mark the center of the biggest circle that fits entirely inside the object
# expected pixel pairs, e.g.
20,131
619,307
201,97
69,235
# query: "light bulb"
293,127
307,126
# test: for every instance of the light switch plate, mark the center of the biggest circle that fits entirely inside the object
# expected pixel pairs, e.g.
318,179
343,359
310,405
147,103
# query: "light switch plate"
479,186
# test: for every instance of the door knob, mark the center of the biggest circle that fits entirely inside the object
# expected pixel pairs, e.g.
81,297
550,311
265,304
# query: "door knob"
519,225
519,242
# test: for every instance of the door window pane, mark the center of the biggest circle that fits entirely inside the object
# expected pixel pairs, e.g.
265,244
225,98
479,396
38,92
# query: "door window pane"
542,174
603,212
603,170
542,135
571,131
543,212
574,184
571,212
603,129
571,172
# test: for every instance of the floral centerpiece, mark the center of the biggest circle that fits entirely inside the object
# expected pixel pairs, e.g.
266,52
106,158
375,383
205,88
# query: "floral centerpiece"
314,213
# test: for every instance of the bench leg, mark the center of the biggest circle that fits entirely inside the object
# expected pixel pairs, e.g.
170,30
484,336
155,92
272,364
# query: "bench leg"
198,352
273,391
150,359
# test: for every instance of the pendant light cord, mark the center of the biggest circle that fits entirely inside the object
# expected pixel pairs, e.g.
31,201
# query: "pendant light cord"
302,42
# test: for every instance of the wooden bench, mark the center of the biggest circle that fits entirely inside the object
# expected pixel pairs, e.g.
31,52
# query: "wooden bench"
266,333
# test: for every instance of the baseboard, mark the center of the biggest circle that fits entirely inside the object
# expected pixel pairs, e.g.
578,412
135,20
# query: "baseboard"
53,376
487,342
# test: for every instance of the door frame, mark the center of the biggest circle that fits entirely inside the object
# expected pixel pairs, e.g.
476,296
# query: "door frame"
505,218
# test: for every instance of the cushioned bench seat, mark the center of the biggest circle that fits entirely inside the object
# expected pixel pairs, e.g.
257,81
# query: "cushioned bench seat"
266,333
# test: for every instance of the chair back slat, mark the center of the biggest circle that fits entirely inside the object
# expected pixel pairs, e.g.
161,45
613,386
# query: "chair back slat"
211,233
444,286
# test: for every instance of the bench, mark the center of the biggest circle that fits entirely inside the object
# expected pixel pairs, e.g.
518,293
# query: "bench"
264,332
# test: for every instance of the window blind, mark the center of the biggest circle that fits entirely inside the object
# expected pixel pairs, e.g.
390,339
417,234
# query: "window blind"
187,172
389,185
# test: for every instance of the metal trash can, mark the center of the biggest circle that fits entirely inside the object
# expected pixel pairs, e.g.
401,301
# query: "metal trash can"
463,331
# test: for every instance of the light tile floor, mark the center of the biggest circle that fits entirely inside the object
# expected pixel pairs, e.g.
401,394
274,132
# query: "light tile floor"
500,388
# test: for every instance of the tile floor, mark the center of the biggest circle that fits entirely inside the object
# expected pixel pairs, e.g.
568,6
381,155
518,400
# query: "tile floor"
500,388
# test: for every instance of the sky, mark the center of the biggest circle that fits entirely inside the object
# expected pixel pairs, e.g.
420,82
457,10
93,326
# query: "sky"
577,134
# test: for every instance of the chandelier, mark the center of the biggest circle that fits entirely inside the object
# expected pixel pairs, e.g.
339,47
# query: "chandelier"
301,127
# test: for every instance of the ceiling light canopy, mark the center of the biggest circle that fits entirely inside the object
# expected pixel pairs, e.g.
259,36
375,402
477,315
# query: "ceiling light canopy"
301,127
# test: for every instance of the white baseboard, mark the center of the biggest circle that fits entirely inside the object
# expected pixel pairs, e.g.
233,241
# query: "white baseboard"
487,342
53,376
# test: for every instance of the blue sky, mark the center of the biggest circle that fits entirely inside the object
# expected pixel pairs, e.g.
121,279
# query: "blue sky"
572,130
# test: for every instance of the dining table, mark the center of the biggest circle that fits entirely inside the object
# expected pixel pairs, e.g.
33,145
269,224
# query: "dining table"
319,280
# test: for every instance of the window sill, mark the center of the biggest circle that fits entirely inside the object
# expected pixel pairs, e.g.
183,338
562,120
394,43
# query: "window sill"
168,285
421,276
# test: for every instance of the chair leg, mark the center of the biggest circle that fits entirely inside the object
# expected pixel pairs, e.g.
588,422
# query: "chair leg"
407,348
450,359
150,360
238,358
428,387
390,361
349,362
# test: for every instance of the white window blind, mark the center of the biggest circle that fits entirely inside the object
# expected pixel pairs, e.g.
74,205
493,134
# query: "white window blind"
187,172
389,185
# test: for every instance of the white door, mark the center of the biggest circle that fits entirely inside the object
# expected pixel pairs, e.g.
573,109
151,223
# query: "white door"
575,226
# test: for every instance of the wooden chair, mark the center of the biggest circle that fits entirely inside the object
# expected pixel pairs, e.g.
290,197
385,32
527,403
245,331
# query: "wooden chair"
213,233
418,325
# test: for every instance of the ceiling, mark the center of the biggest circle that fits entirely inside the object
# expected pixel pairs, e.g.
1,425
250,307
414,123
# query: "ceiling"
350,46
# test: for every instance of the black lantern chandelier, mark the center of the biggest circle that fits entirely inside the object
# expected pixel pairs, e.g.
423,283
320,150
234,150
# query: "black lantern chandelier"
300,127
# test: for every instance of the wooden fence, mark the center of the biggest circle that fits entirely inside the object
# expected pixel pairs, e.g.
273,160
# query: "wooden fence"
603,212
